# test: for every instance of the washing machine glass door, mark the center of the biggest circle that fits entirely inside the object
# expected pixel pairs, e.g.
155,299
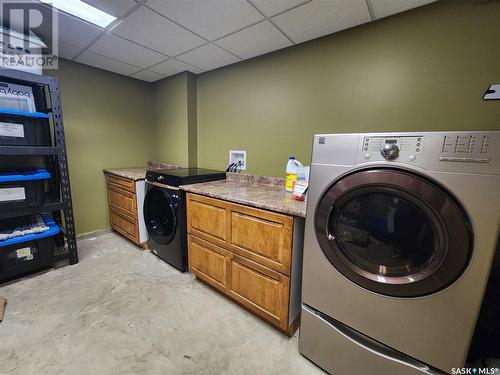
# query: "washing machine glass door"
393,232
160,216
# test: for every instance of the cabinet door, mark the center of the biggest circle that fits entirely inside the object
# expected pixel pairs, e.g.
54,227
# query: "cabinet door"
124,225
261,290
207,218
122,183
122,200
209,262
262,236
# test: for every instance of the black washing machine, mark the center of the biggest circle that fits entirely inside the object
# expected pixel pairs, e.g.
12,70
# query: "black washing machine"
165,211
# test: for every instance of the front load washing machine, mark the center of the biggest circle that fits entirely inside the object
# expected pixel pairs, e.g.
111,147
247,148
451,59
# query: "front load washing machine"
165,211
401,231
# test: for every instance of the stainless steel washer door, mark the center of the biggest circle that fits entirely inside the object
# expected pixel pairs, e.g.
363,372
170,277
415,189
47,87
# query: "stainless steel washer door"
393,232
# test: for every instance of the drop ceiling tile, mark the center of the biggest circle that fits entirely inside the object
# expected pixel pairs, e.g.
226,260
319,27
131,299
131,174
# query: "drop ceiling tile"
210,19
322,17
172,66
105,63
255,40
67,51
75,32
148,76
272,7
156,32
208,57
116,8
384,8
121,49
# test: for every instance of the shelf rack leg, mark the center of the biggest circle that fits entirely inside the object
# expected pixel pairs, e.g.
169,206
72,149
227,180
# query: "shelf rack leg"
63,170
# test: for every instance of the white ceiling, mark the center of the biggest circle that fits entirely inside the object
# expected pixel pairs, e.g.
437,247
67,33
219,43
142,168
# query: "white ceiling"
154,39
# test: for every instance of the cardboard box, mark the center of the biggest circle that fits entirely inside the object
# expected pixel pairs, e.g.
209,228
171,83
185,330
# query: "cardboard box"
2,307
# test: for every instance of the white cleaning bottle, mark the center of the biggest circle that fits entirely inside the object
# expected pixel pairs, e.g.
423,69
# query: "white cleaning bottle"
292,169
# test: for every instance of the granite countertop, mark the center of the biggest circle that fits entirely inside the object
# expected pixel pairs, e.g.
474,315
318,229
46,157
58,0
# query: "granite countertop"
135,174
267,193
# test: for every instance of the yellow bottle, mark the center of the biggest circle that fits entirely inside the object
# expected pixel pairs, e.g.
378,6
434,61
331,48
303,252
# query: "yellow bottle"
292,168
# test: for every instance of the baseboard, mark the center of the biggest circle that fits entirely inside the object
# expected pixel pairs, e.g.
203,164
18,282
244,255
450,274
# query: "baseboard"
94,233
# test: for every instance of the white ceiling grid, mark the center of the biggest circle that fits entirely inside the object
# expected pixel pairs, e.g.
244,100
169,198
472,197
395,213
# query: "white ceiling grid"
154,39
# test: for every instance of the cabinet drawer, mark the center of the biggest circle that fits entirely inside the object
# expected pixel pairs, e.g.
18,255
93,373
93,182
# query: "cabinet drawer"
124,225
207,217
123,200
262,236
208,262
260,289
121,183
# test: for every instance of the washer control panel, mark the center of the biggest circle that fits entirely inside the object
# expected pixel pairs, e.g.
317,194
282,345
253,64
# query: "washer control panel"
458,147
393,148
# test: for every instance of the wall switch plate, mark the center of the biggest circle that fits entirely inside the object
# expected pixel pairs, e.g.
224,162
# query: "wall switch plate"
236,156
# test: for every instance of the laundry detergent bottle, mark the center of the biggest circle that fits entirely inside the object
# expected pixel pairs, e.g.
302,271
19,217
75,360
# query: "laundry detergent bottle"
292,170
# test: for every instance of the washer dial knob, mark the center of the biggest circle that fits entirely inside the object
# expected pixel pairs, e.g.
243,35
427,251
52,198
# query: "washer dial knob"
390,151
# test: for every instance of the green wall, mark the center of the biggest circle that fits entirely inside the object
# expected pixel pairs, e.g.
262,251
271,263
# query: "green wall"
175,119
109,124
422,70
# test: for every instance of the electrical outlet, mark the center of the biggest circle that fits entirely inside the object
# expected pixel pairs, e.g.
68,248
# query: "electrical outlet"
236,156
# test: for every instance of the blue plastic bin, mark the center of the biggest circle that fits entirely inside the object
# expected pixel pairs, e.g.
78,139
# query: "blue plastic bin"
18,128
27,253
22,188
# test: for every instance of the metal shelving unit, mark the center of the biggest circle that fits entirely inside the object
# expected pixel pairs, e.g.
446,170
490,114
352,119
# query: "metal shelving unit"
58,200
26,150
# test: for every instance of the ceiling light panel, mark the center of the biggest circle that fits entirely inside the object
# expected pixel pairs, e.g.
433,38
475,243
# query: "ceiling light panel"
82,10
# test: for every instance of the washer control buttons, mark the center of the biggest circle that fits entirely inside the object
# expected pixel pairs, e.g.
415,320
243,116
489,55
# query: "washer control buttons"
412,158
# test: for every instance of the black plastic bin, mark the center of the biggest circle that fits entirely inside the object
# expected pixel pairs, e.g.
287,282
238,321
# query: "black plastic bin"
19,128
20,189
27,253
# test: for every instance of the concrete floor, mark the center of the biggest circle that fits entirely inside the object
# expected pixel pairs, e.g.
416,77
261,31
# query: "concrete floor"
124,311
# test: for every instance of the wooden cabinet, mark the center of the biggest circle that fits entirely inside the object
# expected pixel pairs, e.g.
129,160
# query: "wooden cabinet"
262,236
124,224
124,211
248,254
122,200
209,262
260,289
